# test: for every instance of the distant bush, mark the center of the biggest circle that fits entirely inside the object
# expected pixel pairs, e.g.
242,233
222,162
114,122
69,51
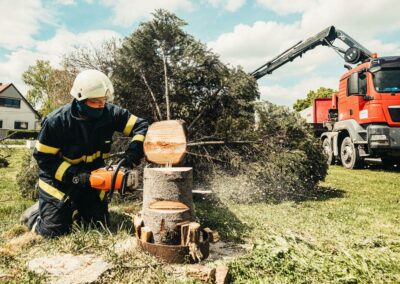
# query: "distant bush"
14,142
27,177
23,134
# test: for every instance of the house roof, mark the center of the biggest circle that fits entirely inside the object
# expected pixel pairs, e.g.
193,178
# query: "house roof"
3,87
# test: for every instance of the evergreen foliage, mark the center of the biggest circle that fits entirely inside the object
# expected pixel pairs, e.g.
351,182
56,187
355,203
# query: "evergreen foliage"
322,92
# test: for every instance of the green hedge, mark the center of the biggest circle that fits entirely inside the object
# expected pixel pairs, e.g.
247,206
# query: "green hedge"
23,134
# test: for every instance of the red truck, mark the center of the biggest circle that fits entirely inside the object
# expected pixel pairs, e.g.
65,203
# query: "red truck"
362,120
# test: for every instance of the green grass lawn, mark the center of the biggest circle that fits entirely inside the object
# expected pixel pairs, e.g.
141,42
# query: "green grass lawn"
347,231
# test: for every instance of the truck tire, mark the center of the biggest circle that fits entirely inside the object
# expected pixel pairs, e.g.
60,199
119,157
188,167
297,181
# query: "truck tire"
349,155
326,144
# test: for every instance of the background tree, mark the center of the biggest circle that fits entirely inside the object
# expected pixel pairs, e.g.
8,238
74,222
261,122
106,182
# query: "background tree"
322,92
99,57
161,72
48,87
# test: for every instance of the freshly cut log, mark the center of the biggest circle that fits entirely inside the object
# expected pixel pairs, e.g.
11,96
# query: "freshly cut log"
168,184
222,274
137,223
166,142
146,234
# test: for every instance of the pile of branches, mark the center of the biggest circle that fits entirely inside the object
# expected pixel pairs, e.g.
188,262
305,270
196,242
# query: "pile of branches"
281,159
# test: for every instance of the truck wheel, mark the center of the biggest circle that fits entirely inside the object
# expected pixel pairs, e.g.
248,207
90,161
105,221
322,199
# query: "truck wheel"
349,155
326,144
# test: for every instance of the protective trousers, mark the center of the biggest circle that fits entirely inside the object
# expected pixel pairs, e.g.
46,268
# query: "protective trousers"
54,217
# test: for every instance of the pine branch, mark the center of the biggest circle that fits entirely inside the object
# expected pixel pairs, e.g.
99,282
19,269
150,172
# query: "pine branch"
203,111
207,156
221,143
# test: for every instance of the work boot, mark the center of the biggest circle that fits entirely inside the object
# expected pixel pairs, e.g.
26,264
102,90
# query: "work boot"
29,216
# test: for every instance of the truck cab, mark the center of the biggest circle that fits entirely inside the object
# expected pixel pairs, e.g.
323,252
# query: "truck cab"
368,107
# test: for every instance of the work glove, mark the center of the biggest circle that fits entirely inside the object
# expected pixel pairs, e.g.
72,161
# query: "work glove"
132,158
81,179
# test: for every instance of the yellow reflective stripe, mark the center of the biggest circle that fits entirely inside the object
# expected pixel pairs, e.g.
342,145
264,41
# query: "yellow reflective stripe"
51,190
93,157
138,137
46,149
102,194
129,125
61,170
106,155
73,161
84,158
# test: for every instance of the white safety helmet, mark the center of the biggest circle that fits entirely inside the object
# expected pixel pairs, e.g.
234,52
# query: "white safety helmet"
92,84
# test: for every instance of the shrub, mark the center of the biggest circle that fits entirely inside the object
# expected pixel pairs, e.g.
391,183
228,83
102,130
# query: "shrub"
28,176
23,134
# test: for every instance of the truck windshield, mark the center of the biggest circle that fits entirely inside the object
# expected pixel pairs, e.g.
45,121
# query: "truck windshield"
387,80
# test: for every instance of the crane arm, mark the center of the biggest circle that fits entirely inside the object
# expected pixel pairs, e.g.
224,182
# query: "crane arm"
354,54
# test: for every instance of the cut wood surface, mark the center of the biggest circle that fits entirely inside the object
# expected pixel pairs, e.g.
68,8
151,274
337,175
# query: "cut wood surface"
222,275
146,234
166,142
137,223
168,205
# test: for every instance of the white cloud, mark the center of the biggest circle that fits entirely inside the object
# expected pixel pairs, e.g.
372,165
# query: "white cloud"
128,11
372,23
53,49
20,21
230,5
252,46
66,2
64,41
283,7
361,18
282,95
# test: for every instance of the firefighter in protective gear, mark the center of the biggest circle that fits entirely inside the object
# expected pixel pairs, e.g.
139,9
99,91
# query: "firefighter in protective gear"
74,140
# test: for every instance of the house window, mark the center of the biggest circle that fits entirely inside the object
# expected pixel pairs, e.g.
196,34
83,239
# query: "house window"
9,102
20,125
1,124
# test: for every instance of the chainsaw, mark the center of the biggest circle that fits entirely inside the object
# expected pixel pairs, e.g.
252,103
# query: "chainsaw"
114,177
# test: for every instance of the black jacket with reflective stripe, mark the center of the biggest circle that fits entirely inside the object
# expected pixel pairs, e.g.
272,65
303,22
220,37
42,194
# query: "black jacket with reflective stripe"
67,143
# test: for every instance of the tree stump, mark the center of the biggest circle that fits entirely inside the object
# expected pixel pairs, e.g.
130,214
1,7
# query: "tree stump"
167,202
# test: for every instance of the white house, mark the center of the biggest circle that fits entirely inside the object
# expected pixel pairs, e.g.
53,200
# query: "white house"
15,111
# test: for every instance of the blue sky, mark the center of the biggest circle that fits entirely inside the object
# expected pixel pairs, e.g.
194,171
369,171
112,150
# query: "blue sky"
242,32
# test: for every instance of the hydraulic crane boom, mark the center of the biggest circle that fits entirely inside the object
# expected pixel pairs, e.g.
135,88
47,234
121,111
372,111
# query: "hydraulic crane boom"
354,54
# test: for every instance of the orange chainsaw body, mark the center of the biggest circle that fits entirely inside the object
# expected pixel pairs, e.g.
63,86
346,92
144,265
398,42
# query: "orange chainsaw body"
101,179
